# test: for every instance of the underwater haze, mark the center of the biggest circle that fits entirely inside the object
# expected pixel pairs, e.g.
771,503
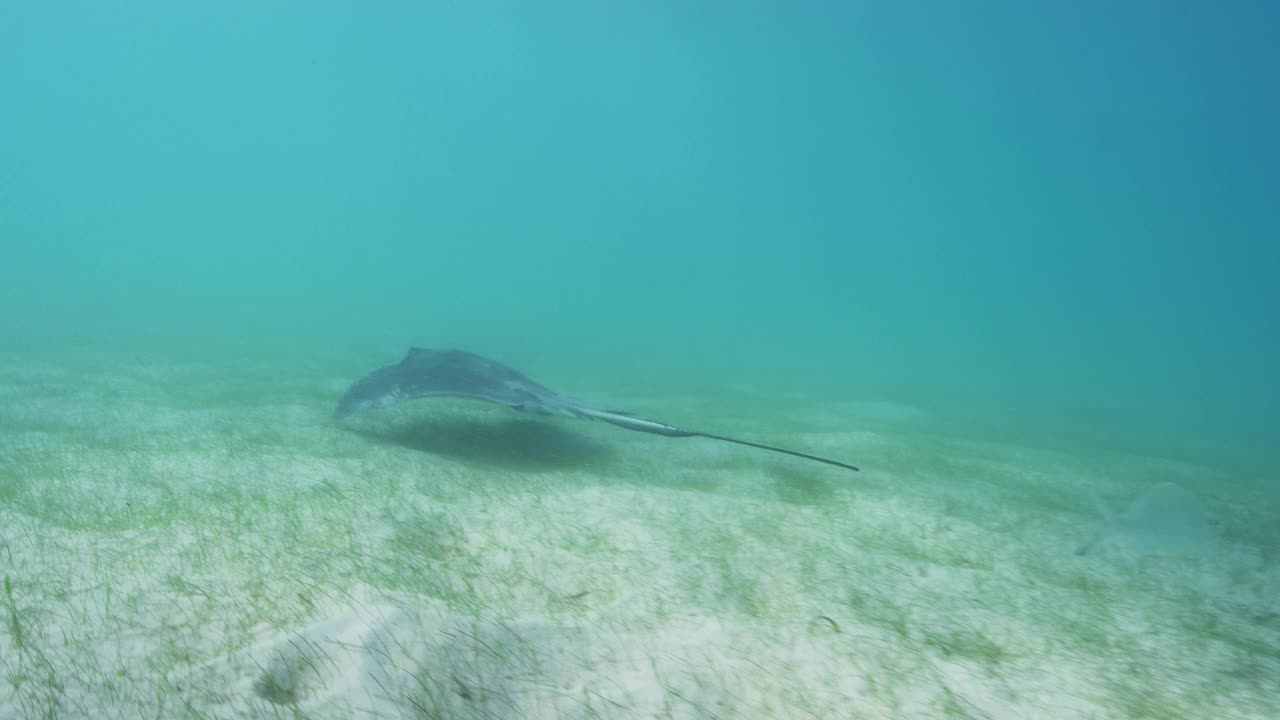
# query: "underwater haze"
1003,256
1070,209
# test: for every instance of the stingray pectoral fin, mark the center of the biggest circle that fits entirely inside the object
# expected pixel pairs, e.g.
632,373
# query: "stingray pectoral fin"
632,422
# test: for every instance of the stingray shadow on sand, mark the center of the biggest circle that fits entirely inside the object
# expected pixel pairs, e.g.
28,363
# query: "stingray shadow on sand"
517,444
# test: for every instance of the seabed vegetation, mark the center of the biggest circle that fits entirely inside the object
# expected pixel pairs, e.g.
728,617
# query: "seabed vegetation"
192,539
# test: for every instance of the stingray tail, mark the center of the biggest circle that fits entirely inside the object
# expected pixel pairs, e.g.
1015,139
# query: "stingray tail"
784,451
631,422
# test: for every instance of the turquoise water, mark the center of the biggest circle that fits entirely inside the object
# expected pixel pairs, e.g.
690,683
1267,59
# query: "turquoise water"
1066,209
1047,224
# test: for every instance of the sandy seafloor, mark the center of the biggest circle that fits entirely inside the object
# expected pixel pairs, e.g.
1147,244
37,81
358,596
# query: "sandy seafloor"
189,538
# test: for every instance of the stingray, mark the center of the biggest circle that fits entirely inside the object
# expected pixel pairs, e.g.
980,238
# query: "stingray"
456,373
1167,518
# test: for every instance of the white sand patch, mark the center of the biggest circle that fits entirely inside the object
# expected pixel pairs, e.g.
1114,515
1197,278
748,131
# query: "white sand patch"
257,561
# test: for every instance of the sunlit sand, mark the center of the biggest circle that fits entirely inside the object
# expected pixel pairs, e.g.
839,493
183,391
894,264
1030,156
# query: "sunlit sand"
201,540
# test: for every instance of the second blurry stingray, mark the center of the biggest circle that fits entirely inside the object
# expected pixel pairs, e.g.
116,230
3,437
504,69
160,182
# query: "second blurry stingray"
1165,519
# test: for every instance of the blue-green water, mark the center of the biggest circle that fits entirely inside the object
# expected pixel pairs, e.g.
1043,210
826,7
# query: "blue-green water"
1003,256
1065,208
1069,209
